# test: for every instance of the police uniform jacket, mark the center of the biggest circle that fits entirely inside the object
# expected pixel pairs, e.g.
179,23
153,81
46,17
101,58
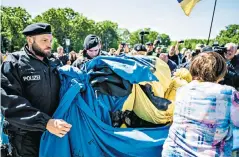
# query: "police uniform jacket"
29,90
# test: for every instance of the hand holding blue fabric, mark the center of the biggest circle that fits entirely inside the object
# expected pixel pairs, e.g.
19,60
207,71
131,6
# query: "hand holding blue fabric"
58,127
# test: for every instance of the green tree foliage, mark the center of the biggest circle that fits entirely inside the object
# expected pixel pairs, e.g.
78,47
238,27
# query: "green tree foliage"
152,36
135,37
107,31
81,28
13,21
165,40
55,44
191,43
66,23
61,21
71,25
124,35
231,34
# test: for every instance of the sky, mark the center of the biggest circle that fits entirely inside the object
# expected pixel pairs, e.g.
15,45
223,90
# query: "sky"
163,16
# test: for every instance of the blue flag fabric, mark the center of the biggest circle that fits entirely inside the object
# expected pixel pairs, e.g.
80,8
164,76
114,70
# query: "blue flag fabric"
91,133
3,137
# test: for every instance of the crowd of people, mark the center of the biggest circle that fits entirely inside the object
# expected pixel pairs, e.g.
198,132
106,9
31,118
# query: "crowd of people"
174,58
205,111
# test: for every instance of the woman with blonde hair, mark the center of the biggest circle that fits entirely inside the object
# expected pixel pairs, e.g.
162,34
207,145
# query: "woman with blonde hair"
205,112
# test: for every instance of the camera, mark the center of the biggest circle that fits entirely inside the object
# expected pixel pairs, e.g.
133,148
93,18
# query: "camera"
220,50
123,44
142,33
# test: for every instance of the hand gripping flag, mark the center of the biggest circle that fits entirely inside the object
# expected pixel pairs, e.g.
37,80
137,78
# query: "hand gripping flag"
187,5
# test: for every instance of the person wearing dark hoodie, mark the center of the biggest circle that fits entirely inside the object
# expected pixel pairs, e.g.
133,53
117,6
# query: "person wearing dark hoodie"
92,49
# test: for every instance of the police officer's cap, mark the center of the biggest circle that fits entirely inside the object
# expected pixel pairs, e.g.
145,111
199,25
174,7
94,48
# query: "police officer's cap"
149,43
37,29
139,47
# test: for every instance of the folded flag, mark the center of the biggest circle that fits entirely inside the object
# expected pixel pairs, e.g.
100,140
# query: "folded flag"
187,5
88,110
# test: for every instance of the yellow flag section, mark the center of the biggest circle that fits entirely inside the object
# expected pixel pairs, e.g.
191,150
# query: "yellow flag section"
187,5
181,77
140,103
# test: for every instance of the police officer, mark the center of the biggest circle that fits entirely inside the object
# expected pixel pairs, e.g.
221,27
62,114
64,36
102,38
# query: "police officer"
30,92
150,49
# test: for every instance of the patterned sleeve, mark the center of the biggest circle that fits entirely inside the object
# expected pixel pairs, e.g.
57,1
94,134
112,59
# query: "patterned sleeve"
235,108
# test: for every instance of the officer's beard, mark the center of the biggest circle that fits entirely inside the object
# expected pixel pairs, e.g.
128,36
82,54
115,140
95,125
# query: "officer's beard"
39,52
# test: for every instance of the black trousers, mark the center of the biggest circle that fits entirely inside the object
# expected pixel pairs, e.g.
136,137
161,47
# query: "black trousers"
26,145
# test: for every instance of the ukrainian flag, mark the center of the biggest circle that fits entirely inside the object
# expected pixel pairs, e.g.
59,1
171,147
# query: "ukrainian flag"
187,5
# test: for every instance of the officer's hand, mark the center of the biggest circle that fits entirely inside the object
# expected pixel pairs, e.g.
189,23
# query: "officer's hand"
58,127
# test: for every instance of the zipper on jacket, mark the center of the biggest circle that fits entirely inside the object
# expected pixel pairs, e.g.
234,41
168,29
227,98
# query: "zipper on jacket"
44,70
49,72
48,108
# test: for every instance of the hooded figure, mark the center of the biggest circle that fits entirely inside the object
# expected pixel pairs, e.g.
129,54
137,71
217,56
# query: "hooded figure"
92,49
